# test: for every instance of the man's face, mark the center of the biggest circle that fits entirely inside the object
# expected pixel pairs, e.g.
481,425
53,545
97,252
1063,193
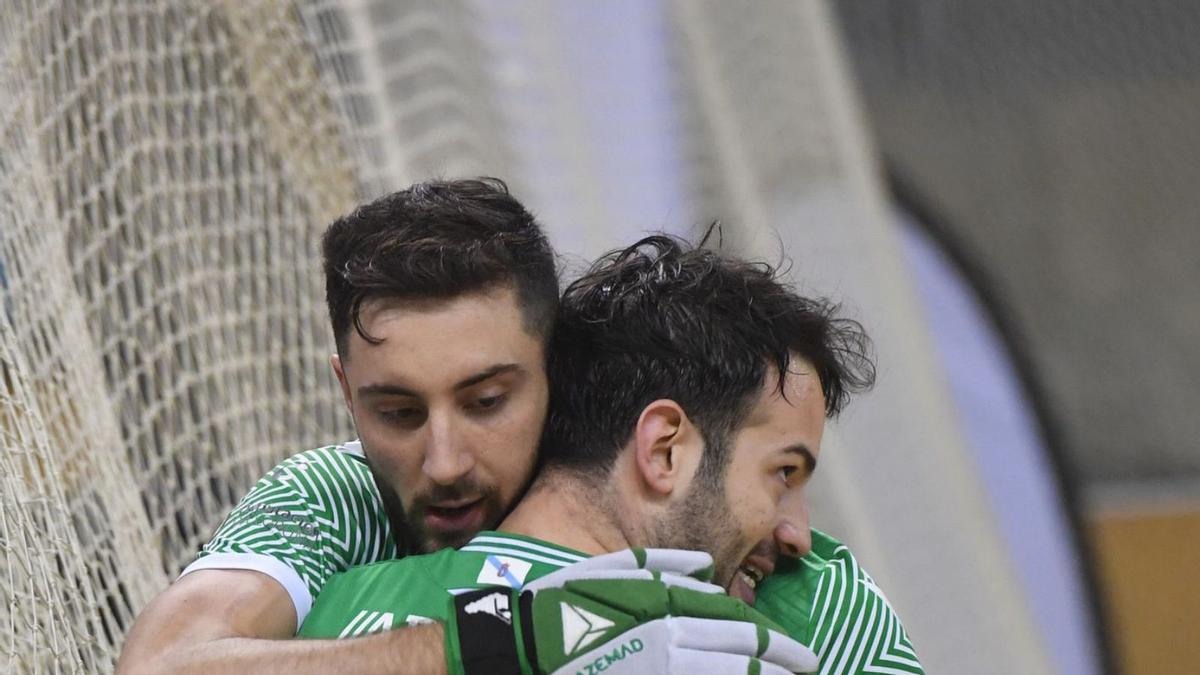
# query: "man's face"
773,454
449,407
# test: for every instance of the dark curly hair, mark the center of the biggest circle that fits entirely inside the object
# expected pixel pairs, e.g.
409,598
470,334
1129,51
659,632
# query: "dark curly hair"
438,239
663,319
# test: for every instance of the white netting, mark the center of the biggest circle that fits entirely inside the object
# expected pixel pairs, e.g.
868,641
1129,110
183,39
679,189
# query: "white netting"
166,170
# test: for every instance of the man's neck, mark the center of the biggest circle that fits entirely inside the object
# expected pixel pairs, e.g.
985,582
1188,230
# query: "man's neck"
560,509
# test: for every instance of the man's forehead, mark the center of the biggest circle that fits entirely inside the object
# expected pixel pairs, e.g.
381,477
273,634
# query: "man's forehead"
475,320
788,421
435,344
801,388
497,300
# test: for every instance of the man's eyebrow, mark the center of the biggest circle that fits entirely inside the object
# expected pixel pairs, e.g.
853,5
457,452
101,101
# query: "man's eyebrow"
498,369
397,390
384,390
810,460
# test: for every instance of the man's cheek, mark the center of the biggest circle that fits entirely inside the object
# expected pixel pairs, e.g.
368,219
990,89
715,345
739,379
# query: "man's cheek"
390,469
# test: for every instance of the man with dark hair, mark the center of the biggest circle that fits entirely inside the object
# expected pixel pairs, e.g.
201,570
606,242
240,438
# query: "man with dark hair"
441,297
659,320
464,274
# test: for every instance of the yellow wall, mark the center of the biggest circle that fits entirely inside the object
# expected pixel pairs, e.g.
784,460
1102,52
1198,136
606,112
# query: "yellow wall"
1149,570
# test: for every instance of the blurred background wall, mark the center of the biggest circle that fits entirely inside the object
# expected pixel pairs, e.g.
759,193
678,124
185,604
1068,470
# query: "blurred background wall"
1052,146
1003,193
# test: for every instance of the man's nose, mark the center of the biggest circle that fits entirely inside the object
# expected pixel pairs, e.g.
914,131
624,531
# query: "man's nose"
446,458
792,534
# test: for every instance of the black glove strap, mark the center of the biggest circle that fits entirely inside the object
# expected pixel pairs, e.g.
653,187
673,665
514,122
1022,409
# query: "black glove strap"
486,636
526,613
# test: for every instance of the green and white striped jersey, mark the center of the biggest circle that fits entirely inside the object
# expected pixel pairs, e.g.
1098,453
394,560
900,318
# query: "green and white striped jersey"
319,513
418,588
829,603
313,515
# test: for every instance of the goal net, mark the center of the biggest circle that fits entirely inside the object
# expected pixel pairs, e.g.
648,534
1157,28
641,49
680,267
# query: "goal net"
166,169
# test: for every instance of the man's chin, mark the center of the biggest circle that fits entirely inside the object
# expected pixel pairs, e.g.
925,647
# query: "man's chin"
435,543
443,527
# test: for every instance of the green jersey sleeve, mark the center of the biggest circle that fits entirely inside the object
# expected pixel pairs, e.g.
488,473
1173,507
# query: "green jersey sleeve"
829,603
313,515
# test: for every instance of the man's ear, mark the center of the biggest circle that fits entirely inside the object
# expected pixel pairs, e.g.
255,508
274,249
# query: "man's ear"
667,447
336,362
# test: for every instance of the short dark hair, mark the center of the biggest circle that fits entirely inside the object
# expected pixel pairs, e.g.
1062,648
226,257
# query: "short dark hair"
663,319
438,239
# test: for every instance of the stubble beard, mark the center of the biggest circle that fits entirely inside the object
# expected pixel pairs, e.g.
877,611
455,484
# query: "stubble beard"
704,522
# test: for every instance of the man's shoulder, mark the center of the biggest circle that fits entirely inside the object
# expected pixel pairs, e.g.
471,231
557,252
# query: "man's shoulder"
329,482
342,463
313,514
311,494
829,601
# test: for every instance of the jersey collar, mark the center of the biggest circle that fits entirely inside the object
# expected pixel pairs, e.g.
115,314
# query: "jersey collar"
524,548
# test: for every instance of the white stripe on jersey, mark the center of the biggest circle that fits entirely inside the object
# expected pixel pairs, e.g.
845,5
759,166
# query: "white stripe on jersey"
516,553
521,543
